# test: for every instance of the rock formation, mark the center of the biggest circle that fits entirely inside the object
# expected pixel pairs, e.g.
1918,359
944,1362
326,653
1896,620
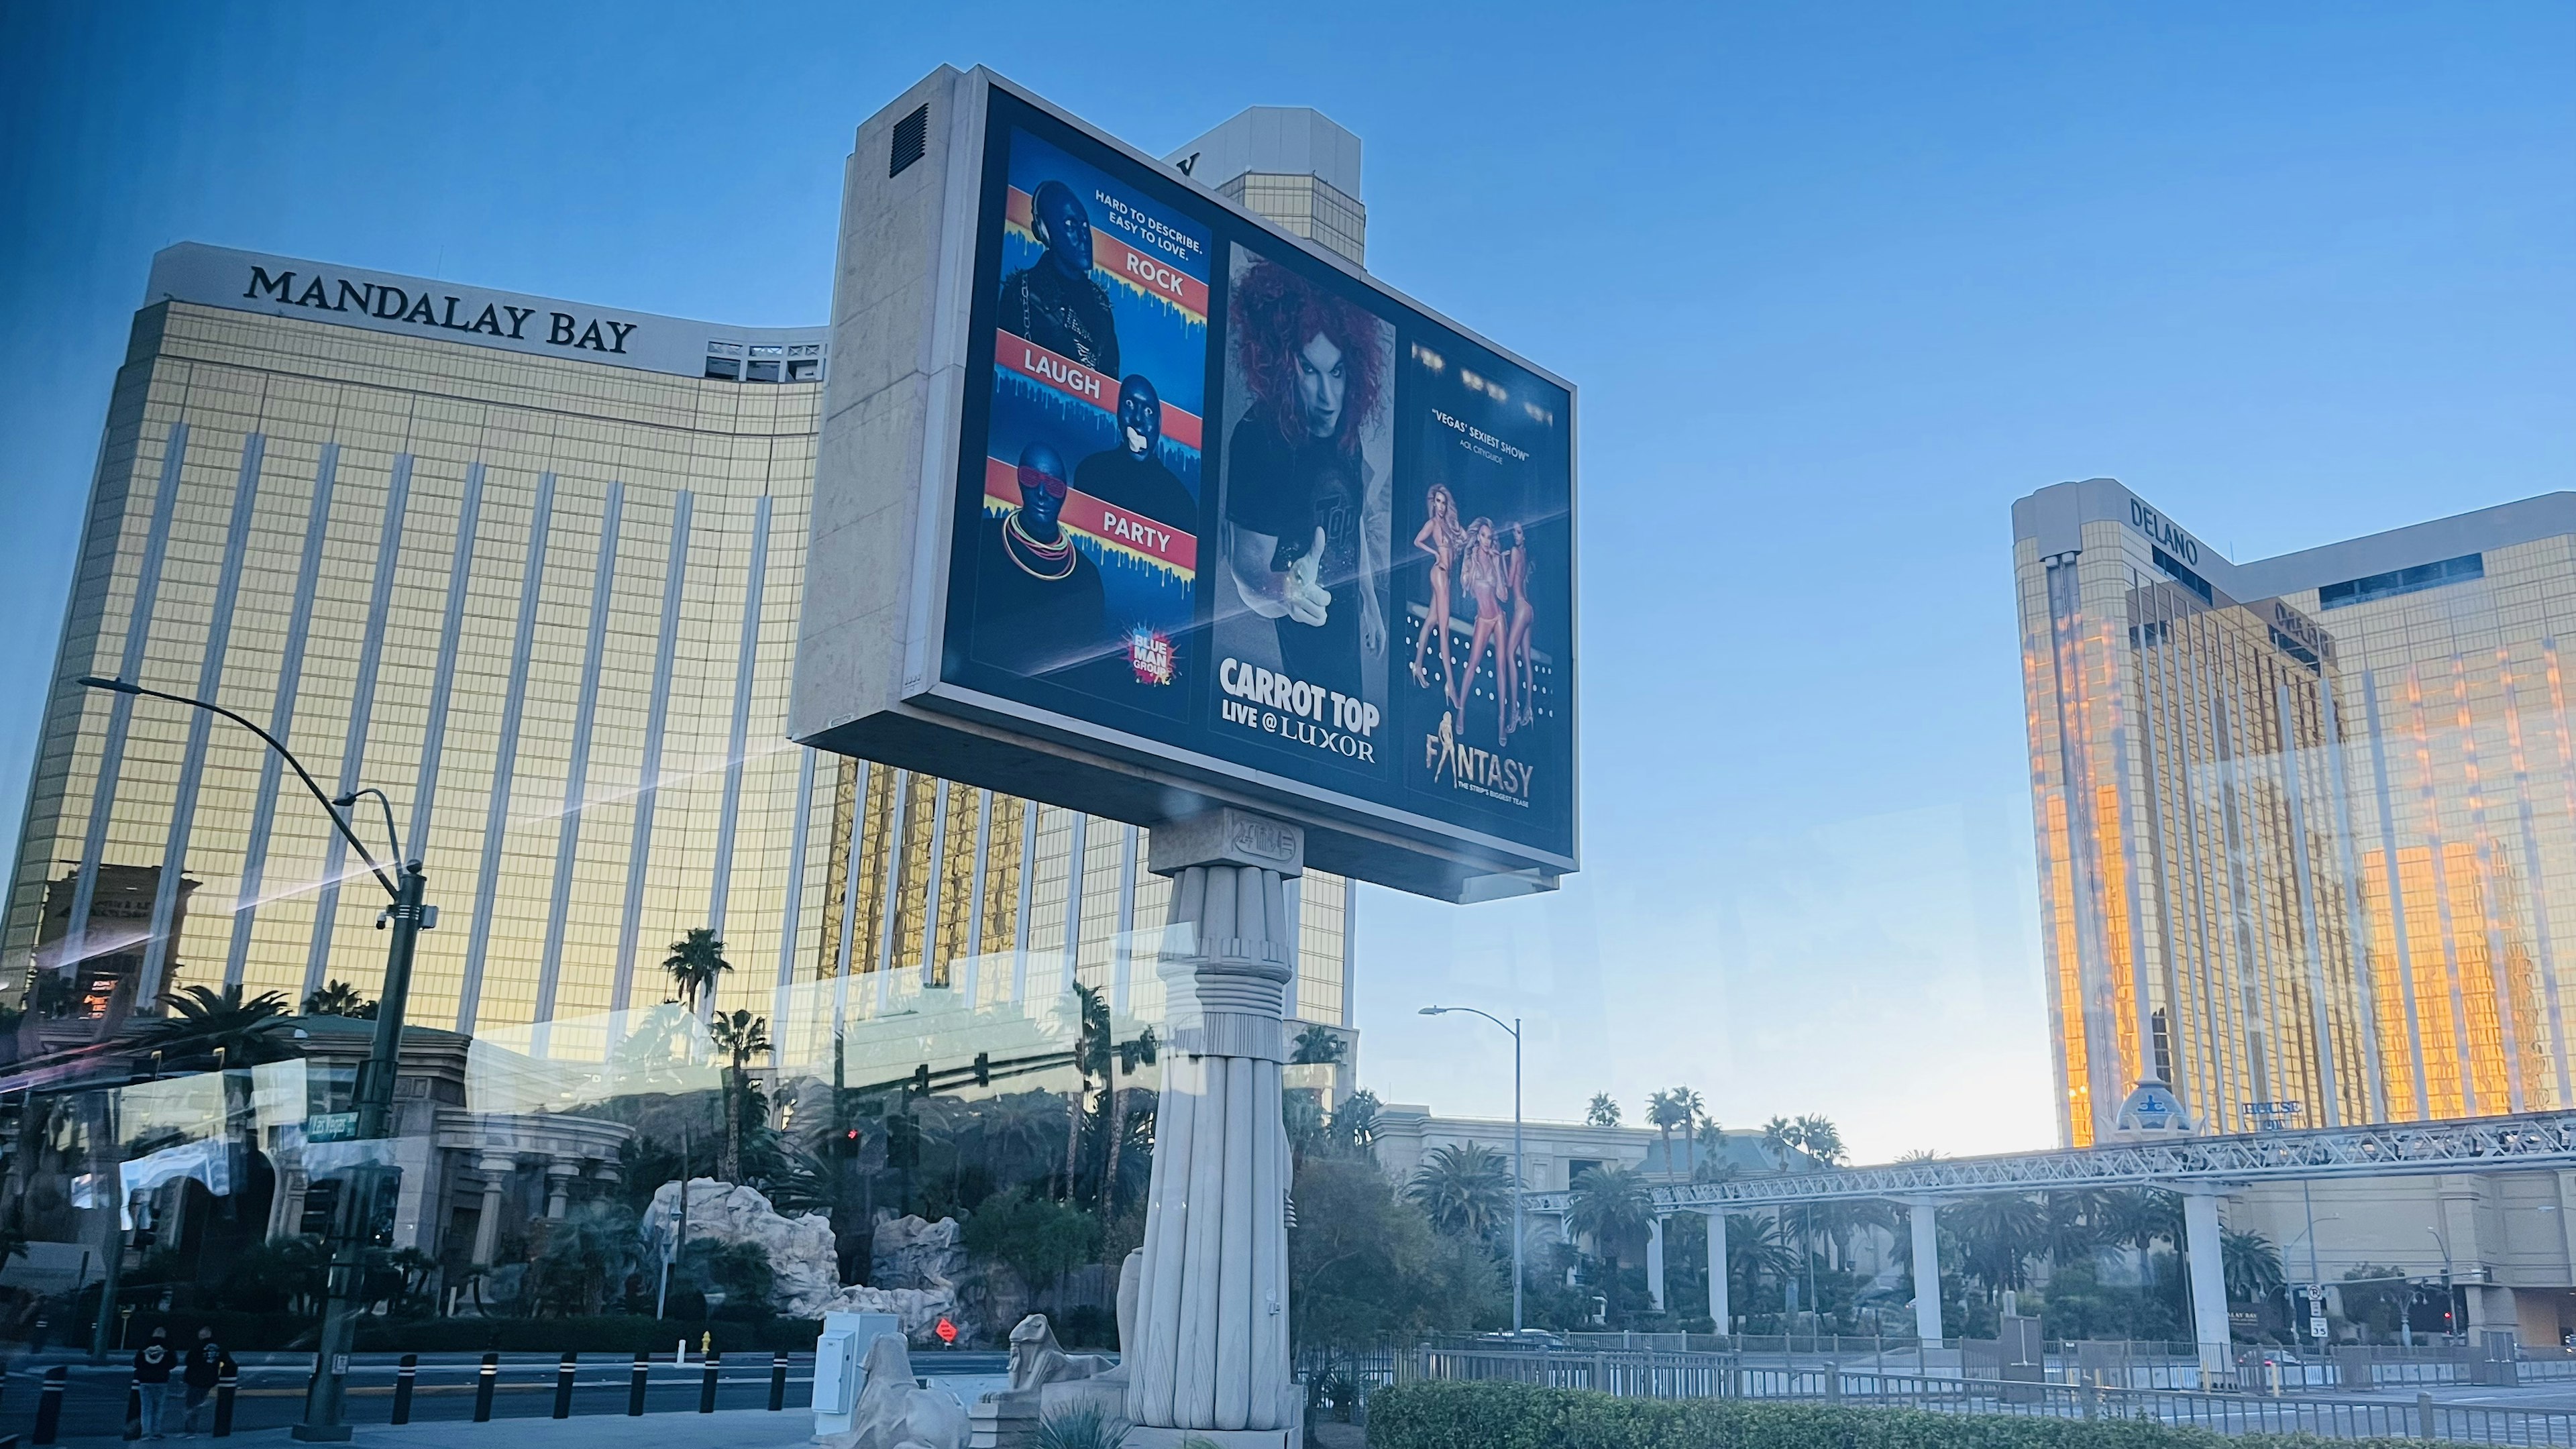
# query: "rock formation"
802,1261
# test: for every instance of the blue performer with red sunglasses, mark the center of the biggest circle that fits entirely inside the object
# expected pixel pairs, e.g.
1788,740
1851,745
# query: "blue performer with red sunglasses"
1042,610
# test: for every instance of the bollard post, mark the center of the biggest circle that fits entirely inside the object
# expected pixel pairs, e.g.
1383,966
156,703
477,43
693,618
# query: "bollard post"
2424,1416
49,1405
1833,1381
563,1385
778,1381
707,1382
226,1384
635,1385
404,1373
484,1382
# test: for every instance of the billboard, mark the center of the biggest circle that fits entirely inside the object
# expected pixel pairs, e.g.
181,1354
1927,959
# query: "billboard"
1223,521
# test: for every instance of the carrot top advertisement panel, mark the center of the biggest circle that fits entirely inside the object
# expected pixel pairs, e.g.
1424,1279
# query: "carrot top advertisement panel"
1219,494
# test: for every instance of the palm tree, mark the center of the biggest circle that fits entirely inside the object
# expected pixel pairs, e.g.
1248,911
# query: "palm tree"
1091,1051
1664,1114
1354,1127
1607,1204
2138,1216
696,960
1821,1140
1604,1111
1754,1250
740,1036
1997,1233
1466,1190
1780,1138
1708,1143
339,999
1692,1108
2078,1222
2250,1265
1316,1046
1141,1051
203,1021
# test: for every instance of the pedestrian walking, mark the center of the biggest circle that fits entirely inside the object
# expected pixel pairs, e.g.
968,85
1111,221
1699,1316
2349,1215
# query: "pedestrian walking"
152,1365
205,1366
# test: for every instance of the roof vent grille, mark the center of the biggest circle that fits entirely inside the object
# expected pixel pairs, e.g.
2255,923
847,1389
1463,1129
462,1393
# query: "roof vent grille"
911,140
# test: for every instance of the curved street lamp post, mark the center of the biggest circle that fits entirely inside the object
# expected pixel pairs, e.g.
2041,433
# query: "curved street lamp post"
354,1215
1520,1179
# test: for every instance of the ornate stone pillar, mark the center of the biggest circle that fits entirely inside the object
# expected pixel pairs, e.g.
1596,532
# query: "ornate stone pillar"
559,1176
286,1210
1211,1359
496,1168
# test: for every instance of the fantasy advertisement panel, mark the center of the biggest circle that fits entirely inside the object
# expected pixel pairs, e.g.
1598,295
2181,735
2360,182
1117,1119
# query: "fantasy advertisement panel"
1222,496
1487,588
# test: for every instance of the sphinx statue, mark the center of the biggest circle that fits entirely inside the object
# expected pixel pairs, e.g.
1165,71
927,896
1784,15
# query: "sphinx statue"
1047,1382
894,1412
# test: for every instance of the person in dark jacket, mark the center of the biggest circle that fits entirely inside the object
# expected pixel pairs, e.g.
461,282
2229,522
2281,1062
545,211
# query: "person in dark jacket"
204,1367
152,1365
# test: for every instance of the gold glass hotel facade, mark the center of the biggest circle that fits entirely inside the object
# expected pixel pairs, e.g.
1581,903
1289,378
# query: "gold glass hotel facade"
2306,825
532,568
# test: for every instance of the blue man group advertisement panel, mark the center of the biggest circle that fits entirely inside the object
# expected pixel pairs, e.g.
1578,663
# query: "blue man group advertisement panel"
1218,494
1085,494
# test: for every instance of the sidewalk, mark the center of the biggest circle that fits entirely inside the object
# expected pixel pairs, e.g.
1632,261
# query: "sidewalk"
732,1428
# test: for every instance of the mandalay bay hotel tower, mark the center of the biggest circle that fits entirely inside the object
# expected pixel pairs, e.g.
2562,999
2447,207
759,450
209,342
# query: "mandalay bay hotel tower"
2306,825
532,568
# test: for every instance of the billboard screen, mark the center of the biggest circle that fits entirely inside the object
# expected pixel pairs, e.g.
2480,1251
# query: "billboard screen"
1225,507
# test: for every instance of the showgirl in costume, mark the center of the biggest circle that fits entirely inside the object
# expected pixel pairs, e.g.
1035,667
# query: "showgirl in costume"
1297,544
1055,302
1516,635
1040,602
1441,538
1481,574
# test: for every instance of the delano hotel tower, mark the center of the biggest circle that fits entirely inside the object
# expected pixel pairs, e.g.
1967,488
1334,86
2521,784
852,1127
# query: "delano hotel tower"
532,567
2306,825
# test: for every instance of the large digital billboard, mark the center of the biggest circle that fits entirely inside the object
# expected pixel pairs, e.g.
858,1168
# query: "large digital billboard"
1226,515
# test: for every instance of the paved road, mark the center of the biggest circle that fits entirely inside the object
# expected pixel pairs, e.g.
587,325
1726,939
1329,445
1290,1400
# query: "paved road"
272,1390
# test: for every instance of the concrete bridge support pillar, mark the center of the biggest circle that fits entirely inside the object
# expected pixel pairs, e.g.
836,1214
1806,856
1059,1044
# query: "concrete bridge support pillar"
2203,1253
1655,1261
1927,1269
1717,1284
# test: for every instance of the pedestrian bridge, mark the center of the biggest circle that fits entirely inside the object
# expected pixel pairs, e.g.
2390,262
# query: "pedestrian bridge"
2202,1169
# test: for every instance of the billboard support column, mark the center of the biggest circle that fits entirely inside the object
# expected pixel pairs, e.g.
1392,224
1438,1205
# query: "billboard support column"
1211,1345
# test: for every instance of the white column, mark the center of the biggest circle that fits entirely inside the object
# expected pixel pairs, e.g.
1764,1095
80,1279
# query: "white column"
559,1176
2202,1253
1921,1212
496,1169
1717,1284
1655,1261
1212,1301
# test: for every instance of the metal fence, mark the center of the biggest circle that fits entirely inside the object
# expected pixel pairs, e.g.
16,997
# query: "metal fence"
1648,1373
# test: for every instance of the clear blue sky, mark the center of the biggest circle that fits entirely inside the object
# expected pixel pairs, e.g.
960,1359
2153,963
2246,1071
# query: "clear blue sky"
1838,284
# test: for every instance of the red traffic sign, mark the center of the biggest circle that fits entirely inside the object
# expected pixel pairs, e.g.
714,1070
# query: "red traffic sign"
946,1330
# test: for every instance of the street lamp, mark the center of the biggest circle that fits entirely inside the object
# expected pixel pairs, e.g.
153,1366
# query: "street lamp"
323,1400
1520,1179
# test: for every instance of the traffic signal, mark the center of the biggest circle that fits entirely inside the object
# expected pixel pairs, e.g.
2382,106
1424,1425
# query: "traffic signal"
921,1080
983,1069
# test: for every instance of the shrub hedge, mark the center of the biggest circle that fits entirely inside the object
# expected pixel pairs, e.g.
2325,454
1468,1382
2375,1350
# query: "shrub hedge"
1436,1414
